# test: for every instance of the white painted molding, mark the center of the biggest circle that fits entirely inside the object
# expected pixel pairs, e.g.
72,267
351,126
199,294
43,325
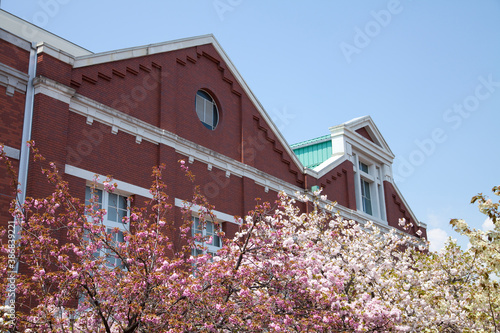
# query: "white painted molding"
141,51
420,224
121,185
11,152
32,33
130,125
55,52
120,121
53,89
13,79
15,40
219,215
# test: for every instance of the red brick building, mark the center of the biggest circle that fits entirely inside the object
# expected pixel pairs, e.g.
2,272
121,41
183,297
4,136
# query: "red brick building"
124,111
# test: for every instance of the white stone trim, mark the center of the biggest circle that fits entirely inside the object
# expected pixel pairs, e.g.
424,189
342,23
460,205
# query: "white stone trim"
53,89
420,224
141,51
11,152
121,185
15,40
32,33
219,215
125,123
13,79
362,218
367,121
55,52
120,121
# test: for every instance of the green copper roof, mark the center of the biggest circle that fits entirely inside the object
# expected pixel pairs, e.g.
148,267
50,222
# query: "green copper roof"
313,152
321,138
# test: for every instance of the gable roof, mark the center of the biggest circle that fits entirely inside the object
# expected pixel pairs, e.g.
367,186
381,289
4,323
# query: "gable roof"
365,125
35,34
363,131
141,51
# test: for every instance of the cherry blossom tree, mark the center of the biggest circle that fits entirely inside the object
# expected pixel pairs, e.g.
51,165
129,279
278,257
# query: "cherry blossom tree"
485,246
284,271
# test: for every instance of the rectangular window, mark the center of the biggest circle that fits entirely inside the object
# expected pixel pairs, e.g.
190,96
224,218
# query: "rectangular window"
112,260
212,240
363,167
366,197
116,206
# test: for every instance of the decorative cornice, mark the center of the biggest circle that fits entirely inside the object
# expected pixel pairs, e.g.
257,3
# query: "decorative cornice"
118,121
222,217
15,40
12,152
56,53
141,51
13,79
48,87
121,185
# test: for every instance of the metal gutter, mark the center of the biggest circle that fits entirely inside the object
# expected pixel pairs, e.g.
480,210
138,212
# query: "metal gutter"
22,178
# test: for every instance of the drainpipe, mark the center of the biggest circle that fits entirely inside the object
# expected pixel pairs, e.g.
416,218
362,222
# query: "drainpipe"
305,188
27,124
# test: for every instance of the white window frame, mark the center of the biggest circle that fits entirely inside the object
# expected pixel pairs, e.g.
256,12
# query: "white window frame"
374,178
205,247
206,110
110,224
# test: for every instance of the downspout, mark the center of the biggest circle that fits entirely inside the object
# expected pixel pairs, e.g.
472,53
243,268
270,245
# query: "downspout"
27,125
305,188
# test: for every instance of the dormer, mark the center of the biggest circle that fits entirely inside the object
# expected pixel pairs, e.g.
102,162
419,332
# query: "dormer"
360,141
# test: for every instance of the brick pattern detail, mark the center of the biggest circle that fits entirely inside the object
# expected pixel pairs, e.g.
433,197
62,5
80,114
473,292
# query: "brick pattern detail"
364,133
11,118
14,56
160,89
396,209
338,185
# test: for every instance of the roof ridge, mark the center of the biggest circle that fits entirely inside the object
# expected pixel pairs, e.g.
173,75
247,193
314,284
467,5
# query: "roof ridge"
310,141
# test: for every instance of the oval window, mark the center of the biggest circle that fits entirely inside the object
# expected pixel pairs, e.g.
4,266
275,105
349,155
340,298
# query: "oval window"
206,109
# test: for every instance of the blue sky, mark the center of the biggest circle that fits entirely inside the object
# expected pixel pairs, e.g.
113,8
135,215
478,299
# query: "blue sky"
427,72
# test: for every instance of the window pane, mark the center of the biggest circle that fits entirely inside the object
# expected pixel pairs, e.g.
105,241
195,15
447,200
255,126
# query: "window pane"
112,200
196,228
196,252
209,113
112,214
216,241
117,207
366,197
88,196
119,237
200,107
363,167
123,202
206,110
215,115
121,214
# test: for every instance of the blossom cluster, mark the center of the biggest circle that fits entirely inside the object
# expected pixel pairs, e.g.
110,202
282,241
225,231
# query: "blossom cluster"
284,271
